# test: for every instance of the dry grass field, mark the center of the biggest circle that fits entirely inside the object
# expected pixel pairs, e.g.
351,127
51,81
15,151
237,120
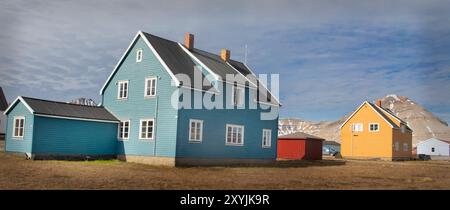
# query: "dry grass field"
18,173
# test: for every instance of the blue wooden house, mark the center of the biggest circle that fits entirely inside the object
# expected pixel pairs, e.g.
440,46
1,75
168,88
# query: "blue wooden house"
138,122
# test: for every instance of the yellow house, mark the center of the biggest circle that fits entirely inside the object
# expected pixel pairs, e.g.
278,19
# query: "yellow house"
374,132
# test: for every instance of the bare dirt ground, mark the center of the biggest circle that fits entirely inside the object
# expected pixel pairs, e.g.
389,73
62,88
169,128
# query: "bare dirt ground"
18,173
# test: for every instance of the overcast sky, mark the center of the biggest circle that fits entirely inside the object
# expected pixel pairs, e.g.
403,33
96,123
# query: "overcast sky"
331,55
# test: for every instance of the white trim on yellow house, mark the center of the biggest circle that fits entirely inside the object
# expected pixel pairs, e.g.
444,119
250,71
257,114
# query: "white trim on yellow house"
365,102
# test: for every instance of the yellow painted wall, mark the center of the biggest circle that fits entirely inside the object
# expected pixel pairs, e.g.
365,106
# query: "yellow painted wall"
367,144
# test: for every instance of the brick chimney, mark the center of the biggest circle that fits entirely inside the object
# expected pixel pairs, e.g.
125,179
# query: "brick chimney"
225,54
378,102
189,41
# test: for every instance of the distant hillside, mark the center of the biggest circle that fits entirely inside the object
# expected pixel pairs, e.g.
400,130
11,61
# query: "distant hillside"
424,124
83,101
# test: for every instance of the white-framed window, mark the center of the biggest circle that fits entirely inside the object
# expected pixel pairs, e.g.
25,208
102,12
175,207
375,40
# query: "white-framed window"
19,127
150,87
138,55
432,149
235,135
195,130
357,127
397,146
124,130
146,129
405,147
238,96
122,90
374,127
267,138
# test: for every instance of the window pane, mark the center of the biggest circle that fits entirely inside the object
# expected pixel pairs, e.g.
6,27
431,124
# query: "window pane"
197,136
16,131
229,135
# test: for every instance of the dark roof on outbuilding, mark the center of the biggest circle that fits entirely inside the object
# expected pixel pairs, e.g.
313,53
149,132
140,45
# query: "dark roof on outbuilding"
3,102
62,109
331,143
299,135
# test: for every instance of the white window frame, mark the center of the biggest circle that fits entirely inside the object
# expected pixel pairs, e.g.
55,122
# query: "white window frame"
139,54
405,147
396,146
146,86
353,127
119,83
378,127
242,101
194,140
14,128
146,131
265,131
242,135
120,128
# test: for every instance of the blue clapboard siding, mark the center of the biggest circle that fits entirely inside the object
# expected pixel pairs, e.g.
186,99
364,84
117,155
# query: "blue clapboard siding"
19,144
137,107
73,137
214,133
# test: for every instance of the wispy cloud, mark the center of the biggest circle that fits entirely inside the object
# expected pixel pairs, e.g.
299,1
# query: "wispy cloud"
330,55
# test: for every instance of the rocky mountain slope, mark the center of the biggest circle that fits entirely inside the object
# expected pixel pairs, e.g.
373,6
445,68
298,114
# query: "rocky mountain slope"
83,101
424,124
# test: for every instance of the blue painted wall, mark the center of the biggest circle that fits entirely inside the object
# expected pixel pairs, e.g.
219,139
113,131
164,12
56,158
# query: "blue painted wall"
19,144
138,107
214,132
73,137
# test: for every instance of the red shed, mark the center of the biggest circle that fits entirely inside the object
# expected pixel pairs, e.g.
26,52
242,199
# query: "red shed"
300,146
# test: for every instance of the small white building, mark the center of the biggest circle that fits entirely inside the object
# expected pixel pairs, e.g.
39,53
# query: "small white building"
434,147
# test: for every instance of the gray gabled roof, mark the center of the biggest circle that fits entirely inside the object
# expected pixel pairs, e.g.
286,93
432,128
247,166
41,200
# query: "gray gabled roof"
62,109
379,111
176,59
179,61
299,135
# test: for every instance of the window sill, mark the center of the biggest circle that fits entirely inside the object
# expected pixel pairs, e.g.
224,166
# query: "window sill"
146,139
123,139
237,145
266,147
17,138
149,97
195,141
122,99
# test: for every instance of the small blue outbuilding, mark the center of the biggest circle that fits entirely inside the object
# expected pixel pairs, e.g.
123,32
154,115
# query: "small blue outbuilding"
41,129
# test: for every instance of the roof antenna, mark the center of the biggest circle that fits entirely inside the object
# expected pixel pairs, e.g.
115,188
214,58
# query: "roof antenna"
245,55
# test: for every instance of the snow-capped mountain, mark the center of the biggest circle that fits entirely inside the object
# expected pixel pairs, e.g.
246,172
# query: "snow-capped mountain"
83,101
423,123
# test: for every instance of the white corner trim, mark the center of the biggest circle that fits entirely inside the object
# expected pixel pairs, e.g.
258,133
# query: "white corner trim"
340,127
160,59
198,61
19,98
120,61
139,34
263,84
75,118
